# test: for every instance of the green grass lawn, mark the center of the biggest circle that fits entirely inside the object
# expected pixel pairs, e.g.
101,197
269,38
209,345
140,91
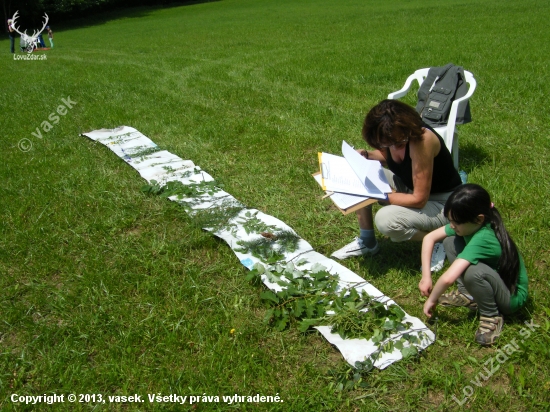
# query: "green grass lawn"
105,290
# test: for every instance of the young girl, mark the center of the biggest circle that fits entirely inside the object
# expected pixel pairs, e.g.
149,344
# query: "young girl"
485,263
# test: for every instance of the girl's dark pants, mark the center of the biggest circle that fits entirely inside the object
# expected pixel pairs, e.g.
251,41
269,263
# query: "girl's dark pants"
480,281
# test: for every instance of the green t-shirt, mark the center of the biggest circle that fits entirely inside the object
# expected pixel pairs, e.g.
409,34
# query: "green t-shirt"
483,246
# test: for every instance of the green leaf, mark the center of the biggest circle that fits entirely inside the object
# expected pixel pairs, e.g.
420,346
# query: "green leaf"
353,294
377,336
310,309
321,310
269,295
297,274
270,278
268,315
281,323
365,366
409,351
275,279
251,276
274,258
317,267
397,311
259,267
308,323
389,325
299,307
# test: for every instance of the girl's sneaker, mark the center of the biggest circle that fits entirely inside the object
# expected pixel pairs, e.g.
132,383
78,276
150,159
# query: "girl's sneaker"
489,330
455,298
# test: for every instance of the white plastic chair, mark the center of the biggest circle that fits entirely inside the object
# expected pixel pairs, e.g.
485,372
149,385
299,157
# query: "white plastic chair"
448,132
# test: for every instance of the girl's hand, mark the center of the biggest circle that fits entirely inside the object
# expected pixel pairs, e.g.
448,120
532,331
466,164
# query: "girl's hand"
429,307
425,286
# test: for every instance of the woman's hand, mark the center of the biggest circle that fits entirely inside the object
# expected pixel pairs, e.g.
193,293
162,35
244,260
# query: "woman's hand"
363,153
372,155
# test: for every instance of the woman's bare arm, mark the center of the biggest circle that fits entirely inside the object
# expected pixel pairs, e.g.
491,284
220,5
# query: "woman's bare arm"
373,155
422,156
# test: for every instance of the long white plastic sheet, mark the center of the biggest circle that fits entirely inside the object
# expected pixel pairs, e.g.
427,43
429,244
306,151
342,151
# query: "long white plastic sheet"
139,152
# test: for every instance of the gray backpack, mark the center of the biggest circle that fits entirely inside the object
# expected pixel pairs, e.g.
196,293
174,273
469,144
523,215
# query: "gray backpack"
438,91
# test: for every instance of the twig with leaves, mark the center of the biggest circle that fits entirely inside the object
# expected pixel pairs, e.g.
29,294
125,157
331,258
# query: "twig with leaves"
315,298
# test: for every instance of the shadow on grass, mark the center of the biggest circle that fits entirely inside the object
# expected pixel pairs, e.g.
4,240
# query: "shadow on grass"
471,156
99,17
523,315
403,256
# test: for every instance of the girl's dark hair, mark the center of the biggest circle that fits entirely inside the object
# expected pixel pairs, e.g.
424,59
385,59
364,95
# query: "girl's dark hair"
385,117
465,205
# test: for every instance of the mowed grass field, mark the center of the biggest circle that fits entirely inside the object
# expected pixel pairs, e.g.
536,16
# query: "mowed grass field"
105,290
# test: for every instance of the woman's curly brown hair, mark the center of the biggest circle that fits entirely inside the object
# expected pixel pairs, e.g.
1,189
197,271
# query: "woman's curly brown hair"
385,117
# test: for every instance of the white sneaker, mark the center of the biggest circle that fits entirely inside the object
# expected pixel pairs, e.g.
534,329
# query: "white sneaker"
355,248
438,257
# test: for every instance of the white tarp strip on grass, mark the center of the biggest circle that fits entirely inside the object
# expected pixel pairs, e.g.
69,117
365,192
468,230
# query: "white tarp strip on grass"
162,166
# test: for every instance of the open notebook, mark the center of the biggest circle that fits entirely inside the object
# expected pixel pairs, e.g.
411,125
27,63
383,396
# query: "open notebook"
353,180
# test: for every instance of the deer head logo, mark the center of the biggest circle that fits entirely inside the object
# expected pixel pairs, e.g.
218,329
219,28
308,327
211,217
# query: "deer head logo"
31,40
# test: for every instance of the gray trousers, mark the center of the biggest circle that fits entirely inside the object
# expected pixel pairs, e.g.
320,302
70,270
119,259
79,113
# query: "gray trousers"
480,281
400,223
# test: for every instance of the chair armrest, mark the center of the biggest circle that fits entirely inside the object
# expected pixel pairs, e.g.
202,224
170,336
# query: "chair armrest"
400,93
418,75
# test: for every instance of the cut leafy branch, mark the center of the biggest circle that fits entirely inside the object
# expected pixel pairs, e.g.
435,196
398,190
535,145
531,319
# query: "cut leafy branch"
314,298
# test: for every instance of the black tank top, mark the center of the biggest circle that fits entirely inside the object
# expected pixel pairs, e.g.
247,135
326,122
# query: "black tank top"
445,177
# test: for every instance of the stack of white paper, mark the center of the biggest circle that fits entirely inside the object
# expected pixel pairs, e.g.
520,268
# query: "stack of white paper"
352,178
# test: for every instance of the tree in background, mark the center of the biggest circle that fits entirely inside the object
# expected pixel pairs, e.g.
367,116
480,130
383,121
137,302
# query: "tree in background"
32,11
